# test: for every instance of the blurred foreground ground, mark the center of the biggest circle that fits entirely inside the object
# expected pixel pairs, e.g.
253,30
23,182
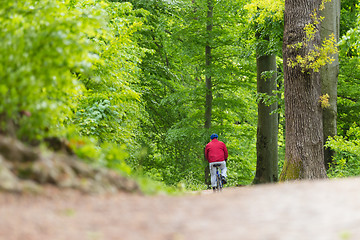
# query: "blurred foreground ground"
316,210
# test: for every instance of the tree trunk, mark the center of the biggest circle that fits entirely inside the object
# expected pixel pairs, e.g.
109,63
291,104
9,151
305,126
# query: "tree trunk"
267,128
208,75
304,154
208,63
329,74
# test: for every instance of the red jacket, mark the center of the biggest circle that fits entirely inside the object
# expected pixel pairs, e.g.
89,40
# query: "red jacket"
216,151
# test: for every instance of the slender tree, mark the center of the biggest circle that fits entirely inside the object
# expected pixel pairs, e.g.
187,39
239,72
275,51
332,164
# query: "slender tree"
208,77
304,154
329,74
268,32
267,128
208,64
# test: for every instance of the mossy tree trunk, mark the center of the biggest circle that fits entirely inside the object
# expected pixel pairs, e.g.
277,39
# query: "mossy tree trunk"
329,74
267,128
304,154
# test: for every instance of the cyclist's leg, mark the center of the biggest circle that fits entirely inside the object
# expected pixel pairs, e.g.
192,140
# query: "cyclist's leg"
212,174
223,172
223,169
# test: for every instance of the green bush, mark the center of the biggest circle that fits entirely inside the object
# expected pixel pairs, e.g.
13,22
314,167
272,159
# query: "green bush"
42,44
346,162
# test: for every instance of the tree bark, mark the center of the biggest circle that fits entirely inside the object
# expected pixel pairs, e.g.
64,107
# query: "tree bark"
208,78
304,154
208,63
267,128
329,75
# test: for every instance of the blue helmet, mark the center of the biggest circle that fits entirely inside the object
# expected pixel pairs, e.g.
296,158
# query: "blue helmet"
214,135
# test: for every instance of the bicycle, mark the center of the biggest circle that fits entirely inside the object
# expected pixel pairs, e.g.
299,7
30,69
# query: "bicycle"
219,183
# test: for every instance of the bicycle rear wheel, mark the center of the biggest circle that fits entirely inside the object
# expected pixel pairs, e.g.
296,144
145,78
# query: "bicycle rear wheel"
218,182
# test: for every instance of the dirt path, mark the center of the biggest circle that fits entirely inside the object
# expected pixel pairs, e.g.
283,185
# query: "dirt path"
319,210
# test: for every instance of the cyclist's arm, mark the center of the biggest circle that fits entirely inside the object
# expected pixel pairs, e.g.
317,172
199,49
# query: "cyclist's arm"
225,153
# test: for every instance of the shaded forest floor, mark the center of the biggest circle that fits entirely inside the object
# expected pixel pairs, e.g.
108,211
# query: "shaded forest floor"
305,210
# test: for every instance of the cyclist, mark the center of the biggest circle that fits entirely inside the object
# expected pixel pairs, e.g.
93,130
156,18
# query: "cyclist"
216,153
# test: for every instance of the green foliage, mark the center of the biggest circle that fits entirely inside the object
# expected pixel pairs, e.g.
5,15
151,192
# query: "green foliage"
324,101
265,22
110,107
151,187
274,8
242,151
42,42
316,58
347,159
60,58
348,95
173,88
348,43
348,15
349,79
124,82
346,144
107,154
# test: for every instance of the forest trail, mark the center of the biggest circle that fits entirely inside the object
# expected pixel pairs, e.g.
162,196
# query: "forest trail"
316,210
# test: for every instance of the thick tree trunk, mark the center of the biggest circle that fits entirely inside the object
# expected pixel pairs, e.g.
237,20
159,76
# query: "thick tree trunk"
267,128
329,74
304,154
